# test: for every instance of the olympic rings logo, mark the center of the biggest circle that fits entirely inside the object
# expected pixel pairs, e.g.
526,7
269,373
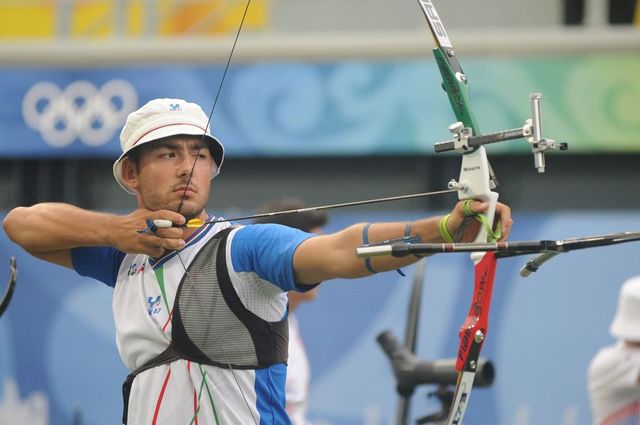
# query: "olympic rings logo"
79,111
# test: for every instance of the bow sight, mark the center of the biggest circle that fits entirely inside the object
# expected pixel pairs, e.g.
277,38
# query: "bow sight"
464,140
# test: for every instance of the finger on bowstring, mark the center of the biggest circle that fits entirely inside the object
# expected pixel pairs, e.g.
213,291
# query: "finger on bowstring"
164,243
169,232
167,218
154,225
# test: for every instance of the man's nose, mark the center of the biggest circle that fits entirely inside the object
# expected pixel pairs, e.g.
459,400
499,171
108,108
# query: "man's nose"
187,163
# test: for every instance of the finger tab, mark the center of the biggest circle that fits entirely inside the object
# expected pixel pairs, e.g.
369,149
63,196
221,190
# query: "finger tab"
161,223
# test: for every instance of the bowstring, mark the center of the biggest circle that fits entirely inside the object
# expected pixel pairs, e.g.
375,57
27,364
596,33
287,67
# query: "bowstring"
215,101
193,167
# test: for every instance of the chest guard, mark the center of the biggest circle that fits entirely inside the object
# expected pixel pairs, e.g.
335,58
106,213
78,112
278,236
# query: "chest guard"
210,325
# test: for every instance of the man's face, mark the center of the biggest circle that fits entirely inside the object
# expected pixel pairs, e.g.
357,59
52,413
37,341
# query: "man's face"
163,172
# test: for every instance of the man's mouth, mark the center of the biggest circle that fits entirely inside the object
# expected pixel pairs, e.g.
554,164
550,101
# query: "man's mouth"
185,189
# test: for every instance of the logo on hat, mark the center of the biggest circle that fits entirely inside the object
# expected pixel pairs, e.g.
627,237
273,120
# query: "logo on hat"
175,107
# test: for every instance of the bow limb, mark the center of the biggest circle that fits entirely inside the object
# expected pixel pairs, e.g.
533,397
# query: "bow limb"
8,292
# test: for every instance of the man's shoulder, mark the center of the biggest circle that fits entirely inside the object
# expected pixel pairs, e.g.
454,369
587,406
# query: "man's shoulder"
612,358
607,356
99,262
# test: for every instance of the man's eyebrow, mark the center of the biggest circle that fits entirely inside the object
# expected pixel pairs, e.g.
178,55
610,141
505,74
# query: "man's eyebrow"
197,142
167,144
197,145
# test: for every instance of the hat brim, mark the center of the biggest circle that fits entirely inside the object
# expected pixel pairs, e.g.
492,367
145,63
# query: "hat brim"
184,129
621,328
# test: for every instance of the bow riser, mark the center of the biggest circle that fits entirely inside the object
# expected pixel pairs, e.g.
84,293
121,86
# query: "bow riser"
475,183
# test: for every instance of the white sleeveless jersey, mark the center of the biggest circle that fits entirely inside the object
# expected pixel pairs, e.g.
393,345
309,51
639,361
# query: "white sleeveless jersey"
259,260
614,389
298,376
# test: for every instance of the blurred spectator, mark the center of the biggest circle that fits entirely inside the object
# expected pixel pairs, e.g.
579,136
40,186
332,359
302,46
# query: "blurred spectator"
298,371
614,373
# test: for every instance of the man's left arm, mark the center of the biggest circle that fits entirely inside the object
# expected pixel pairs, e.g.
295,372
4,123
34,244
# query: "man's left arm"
333,256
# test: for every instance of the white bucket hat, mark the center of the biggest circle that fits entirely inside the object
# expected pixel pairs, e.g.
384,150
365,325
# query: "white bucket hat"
626,324
162,118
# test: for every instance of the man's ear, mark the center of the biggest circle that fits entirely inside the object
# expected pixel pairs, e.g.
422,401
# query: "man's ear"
130,173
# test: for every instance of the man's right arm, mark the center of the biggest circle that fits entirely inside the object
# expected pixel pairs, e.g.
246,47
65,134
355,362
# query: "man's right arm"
50,230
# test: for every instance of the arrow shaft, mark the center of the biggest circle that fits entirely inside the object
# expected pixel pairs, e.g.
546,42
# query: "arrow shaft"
331,206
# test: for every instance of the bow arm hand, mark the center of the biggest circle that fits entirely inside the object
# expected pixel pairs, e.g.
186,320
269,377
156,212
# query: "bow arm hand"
50,230
468,229
333,256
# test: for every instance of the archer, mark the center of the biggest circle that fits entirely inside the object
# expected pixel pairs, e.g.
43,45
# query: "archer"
201,313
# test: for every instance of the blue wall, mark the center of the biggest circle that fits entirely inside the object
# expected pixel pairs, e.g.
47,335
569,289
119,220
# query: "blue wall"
57,345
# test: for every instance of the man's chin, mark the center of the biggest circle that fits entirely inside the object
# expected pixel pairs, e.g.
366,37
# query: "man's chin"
190,212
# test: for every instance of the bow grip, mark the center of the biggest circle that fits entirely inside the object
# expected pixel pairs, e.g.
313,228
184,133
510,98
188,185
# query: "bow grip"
475,183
